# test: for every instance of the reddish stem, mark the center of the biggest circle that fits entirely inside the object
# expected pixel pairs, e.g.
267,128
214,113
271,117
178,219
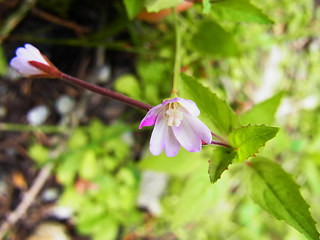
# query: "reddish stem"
53,72
220,144
105,92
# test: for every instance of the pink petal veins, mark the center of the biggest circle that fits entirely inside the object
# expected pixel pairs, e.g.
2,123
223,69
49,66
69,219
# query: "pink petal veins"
187,137
200,128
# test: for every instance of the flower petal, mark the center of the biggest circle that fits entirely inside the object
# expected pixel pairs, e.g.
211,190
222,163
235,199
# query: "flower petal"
151,116
200,128
171,100
157,140
171,145
190,106
24,67
187,137
23,56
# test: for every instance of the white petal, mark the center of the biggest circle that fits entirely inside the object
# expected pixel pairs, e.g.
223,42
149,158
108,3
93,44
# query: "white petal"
187,137
34,54
24,67
23,56
200,128
171,145
158,135
190,106
151,116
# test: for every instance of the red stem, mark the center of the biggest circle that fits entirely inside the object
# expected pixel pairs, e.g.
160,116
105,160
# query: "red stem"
105,92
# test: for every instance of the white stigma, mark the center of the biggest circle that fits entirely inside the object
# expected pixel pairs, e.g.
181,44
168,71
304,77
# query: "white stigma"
174,115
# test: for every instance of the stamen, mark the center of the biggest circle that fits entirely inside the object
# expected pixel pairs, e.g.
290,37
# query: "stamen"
174,115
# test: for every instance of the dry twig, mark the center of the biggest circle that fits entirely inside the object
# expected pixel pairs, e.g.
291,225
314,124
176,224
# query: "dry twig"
27,200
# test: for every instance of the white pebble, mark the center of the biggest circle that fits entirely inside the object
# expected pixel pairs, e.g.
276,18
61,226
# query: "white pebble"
64,104
38,115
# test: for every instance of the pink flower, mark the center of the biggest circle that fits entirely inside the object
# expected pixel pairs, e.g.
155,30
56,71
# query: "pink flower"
29,62
176,124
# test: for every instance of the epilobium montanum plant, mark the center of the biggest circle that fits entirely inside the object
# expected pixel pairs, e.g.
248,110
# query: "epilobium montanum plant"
177,124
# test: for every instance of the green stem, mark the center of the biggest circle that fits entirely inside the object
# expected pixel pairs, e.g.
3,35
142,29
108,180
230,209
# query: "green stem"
14,127
177,59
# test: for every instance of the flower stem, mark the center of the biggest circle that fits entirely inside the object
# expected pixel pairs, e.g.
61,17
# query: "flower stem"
220,144
177,60
105,92
52,72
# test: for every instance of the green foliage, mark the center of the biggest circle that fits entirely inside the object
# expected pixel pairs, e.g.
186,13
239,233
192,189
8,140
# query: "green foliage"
99,185
133,7
247,140
239,11
276,192
180,165
262,113
129,85
206,6
221,159
58,6
157,5
3,62
215,112
39,153
211,39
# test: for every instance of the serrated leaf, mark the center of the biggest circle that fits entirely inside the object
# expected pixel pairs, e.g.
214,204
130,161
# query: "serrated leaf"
215,112
239,11
221,159
133,7
211,39
157,5
277,193
262,113
247,140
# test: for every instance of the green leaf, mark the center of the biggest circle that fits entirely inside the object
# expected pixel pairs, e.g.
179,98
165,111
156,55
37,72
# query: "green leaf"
211,39
206,6
3,62
222,158
247,140
239,11
181,165
39,153
88,166
215,112
133,7
262,113
129,85
157,5
277,193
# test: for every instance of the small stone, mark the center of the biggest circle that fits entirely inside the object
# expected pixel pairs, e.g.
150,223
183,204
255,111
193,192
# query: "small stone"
38,115
152,187
65,104
3,111
61,212
50,194
103,74
50,231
